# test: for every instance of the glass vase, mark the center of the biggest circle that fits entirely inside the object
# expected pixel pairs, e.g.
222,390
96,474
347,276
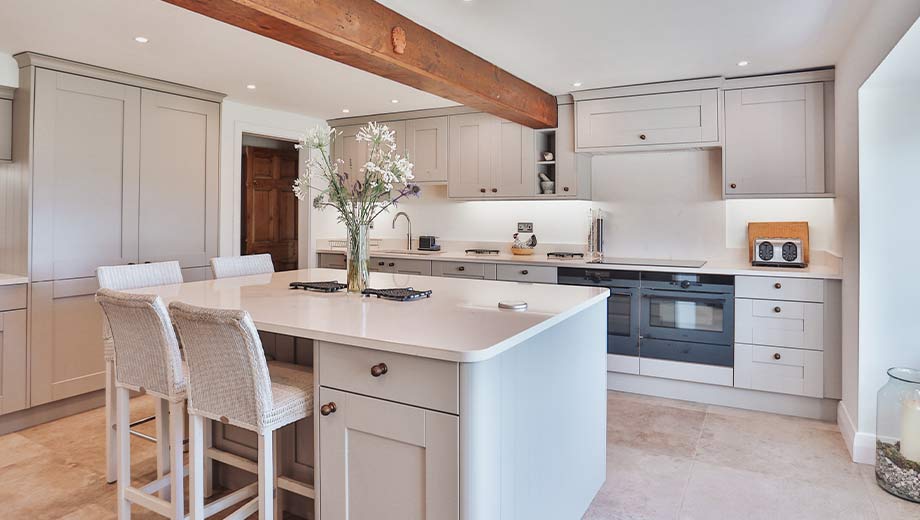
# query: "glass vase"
356,259
897,430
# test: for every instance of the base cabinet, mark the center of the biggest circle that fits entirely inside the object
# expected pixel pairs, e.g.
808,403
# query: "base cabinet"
382,460
13,395
66,342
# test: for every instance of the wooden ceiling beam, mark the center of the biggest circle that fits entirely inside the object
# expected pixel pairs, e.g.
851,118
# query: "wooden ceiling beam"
376,39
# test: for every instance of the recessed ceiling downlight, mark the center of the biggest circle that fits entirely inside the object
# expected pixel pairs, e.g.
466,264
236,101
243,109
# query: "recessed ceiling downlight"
576,84
251,87
345,111
743,63
141,39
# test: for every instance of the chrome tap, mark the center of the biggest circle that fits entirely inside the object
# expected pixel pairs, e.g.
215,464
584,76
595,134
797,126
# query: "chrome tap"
409,234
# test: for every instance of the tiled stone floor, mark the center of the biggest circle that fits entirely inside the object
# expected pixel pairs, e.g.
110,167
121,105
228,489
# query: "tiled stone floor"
665,460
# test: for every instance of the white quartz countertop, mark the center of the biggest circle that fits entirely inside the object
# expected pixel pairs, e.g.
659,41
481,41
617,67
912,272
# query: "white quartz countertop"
12,279
731,262
460,322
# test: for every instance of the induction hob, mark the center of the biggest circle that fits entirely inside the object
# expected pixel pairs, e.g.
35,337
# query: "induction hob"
651,262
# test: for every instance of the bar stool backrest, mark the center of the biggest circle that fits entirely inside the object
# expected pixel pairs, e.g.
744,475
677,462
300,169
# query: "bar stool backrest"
229,266
146,348
228,375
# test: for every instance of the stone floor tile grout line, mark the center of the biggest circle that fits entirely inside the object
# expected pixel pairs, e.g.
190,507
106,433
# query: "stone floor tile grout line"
683,494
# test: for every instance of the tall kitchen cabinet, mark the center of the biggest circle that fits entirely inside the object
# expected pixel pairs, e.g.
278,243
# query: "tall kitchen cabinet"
123,170
489,157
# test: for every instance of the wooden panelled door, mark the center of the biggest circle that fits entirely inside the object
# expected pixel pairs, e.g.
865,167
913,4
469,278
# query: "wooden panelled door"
269,205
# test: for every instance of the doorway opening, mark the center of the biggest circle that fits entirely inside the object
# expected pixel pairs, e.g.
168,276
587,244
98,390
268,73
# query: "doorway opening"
269,207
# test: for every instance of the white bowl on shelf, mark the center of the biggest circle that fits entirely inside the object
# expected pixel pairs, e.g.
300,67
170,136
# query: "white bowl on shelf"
547,187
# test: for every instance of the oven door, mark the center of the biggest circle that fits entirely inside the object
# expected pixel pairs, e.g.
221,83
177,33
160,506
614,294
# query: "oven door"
687,316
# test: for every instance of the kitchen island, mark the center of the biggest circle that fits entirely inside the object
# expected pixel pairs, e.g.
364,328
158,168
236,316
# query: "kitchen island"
445,407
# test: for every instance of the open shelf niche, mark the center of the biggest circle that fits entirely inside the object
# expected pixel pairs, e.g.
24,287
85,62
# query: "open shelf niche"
545,141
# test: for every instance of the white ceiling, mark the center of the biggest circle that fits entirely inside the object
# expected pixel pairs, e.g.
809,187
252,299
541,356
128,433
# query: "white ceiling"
550,43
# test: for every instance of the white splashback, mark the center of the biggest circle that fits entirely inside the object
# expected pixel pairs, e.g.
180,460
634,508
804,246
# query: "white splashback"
660,204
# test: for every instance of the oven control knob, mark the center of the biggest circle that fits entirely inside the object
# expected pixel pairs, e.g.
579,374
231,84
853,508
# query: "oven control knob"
685,284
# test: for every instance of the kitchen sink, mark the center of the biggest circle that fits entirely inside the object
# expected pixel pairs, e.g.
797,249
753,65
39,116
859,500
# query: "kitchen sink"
407,252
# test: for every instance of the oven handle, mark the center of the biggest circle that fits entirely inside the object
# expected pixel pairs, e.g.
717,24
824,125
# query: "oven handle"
686,295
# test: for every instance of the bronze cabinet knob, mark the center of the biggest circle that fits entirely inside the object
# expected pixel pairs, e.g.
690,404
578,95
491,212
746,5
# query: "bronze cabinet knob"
328,408
461,268
494,190
777,285
379,369
392,264
566,188
524,271
642,137
482,190
381,263
777,309
733,185
777,356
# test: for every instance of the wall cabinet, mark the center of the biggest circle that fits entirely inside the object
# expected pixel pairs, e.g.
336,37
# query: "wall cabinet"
426,146
623,120
489,157
775,140
13,355
6,124
354,153
402,461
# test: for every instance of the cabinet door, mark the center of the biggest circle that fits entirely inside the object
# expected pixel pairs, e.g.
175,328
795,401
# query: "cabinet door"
426,144
655,119
782,370
66,340
12,361
85,183
567,161
471,152
406,266
178,180
513,173
352,152
774,140
6,130
381,460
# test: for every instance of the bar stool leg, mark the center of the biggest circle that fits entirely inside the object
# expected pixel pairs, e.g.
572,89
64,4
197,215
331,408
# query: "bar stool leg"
266,477
123,420
111,443
208,462
176,462
279,502
196,467
162,420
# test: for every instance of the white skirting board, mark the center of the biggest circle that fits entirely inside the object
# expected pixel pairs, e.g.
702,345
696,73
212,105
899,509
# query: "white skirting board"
860,444
812,408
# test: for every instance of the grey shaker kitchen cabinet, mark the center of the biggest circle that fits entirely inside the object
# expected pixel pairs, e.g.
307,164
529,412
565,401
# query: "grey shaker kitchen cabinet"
178,179
6,124
426,146
386,460
85,175
13,353
66,342
332,261
489,158
775,140
469,270
348,149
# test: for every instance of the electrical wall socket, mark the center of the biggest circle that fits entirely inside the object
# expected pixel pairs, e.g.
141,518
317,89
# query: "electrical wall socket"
525,227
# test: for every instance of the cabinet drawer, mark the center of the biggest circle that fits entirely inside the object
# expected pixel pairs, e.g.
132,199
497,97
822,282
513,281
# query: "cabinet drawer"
428,383
405,266
783,370
780,323
12,297
332,260
779,288
525,273
463,270
656,119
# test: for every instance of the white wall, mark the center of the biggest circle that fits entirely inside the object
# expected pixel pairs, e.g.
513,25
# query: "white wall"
881,28
237,119
9,71
662,204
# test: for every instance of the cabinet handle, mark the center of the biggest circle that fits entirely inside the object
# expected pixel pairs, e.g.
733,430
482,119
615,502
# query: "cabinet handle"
733,185
642,137
524,271
147,262
379,369
482,190
327,409
566,188
777,310
461,268
494,190
381,263
391,264
777,356
131,263
777,285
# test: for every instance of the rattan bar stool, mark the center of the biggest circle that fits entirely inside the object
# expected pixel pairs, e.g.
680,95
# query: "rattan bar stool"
123,278
230,266
230,381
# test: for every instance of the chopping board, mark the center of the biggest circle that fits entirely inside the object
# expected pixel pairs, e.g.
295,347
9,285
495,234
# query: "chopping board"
777,230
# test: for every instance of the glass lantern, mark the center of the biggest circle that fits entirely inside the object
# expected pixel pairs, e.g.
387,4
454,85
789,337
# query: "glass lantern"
897,445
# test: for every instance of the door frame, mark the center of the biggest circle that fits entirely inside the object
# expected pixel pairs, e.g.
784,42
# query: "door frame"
306,250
